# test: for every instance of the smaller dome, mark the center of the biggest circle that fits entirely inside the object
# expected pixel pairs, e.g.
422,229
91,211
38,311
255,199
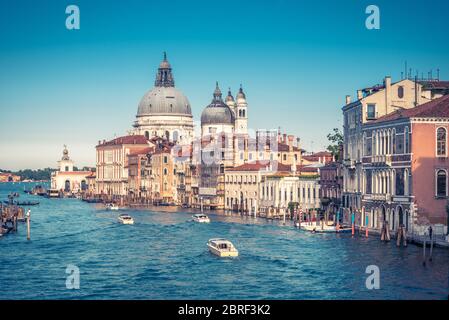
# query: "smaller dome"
217,112
229,97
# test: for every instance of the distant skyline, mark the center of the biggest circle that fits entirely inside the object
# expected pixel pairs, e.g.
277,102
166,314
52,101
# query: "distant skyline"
296,61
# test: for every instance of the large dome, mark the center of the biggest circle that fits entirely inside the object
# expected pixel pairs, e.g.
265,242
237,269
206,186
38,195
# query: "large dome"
164,100
217,112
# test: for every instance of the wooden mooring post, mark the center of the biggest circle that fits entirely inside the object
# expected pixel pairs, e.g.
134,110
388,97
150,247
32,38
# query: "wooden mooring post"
431,248
28,225
424,252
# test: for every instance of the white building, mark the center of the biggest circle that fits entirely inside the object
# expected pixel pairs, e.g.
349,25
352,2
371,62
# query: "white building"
66,179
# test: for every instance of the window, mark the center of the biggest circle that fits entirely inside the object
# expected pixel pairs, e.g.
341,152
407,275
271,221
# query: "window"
371,111
147,134
285,157
399,182
165,159
165,171
368,179
441,183
406,140
441,142
401,92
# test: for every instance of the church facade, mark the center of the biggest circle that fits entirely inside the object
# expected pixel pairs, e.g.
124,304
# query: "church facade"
68,180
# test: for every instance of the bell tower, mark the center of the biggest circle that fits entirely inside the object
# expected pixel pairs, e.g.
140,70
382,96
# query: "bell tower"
241,113
65,164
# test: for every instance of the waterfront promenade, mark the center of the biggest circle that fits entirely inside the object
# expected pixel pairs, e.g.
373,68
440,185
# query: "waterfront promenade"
164,256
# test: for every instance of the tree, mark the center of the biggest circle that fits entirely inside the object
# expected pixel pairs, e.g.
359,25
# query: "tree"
336,140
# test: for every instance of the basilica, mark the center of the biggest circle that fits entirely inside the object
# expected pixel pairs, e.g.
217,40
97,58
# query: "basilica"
162,161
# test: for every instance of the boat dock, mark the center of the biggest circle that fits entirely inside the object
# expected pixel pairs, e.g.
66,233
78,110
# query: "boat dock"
10,215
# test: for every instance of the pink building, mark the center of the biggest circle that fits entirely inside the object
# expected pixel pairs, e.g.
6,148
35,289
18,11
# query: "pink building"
406,167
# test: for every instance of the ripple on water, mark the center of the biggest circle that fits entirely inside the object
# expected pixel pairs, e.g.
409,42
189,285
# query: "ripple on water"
164,256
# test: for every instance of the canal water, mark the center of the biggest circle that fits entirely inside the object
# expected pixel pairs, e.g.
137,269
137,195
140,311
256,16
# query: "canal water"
164,256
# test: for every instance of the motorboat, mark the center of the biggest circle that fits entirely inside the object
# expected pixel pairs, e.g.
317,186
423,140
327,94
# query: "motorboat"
125,219
202,218
112,206
222,248
321,228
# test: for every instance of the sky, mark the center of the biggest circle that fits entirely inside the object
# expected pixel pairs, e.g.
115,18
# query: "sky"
295,59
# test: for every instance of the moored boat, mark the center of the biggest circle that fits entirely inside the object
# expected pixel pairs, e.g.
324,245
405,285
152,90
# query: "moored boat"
222,248
112,206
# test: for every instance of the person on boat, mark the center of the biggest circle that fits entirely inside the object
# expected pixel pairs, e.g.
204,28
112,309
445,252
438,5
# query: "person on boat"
430,232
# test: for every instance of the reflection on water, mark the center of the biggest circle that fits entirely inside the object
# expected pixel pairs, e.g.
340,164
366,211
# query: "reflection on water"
164,256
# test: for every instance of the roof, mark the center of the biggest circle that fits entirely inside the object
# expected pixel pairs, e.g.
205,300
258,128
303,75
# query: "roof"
261,165
132,139
438,108
141,151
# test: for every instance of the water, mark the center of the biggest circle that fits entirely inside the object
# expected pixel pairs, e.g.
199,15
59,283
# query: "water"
164,256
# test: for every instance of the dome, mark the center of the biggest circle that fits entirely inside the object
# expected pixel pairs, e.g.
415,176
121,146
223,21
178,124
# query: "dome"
164,100
241,97
217,112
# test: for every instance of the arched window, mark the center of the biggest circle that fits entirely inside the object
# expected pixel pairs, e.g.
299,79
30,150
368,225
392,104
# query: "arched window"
393,141
401,92
165,171
406,140
441,183
441,142
147,135
175,136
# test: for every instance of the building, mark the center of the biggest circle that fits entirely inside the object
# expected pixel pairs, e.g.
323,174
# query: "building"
112,163
280,192
405,169
9,177
331,186
371,104
223,130
242,185
68,180
139,186
165,111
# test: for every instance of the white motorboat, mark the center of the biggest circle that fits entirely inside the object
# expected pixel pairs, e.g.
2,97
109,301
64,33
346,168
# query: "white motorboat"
222,248
125,219
202,218
111,206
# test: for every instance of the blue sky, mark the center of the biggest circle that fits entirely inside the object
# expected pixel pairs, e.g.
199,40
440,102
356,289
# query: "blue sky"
296,60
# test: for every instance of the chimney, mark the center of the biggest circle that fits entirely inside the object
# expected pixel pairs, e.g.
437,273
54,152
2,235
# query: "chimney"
284,138
387,83
348,99
290,142
359,95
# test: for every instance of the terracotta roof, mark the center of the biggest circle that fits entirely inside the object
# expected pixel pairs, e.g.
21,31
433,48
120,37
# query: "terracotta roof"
132,139
261,165
141,151
87,173
306,169
438,108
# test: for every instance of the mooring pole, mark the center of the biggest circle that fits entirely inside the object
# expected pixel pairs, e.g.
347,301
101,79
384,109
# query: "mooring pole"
28,225
353,223
431,248
424,252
